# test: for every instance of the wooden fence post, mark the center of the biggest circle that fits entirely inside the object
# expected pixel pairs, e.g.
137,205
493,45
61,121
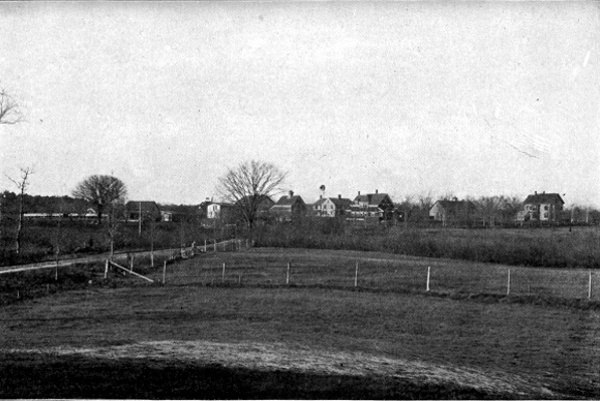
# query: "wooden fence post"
56,271
106,269
131,263
356,276
164,272
508,284
287,277
428,278
205,246
223,275
215,244
590,286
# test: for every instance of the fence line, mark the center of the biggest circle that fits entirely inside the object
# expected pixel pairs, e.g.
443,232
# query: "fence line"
381,276
37,280
219,268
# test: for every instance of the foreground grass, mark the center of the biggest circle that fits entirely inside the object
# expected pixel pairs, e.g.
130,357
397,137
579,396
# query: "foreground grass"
554,350
82,377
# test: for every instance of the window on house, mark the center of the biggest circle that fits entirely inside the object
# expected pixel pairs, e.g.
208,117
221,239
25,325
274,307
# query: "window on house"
546,207
545,215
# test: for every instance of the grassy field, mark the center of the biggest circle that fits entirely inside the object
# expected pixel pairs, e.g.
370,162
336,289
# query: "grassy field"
200,338
562,247
380,272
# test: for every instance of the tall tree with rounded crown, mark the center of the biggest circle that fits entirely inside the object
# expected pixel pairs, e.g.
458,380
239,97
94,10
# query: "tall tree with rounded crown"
102,191
248,184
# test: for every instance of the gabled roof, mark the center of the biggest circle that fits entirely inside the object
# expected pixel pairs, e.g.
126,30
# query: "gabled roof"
372,199
146,206
341,202
289,200
544,198
319,202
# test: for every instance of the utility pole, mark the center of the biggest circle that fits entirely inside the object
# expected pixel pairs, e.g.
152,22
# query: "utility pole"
140,219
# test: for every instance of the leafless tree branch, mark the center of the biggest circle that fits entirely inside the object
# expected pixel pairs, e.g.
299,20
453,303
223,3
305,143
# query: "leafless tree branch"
248,185
9,109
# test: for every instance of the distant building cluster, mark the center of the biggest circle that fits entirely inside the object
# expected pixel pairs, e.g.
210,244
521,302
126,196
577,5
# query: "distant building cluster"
373,207
379,207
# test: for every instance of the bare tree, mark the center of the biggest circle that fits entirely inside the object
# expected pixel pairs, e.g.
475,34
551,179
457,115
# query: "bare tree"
22,184
9,109
248,185
101,191
9,114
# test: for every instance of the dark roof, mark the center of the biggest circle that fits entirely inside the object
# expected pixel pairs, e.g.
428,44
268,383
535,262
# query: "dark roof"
544,198
222,204
146,206
372,199
319,202
260,198
289,200
341,202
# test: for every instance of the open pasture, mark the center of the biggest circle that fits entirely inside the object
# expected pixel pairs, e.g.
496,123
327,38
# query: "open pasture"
379,272
559,247
197,338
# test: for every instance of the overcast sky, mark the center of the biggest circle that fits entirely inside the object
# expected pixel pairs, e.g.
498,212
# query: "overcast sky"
408,98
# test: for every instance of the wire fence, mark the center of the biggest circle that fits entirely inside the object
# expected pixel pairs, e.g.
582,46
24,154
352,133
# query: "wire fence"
232,263
41,279
258,268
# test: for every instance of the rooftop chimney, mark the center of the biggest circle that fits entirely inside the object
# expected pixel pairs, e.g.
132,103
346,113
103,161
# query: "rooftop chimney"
376,191
358,193
535,192
320,196
291,193
339,196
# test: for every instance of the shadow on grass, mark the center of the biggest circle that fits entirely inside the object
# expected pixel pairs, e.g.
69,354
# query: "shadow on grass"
52,376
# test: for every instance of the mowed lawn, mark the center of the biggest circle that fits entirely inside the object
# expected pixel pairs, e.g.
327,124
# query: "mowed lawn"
544,351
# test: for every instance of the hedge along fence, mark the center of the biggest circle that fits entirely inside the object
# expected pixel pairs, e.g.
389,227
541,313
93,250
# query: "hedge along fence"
384,275
124,269
511,247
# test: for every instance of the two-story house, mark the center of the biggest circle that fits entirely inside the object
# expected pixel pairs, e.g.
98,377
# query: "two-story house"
147,210
288,207
331,207
452,211
542,207
371,207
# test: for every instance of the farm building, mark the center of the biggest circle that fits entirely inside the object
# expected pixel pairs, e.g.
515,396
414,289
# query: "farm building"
263,203
288,207
452,211
542,207
146,210
219,210
375,207
331,207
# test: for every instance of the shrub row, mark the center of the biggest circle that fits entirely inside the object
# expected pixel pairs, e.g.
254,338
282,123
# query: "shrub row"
494,246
